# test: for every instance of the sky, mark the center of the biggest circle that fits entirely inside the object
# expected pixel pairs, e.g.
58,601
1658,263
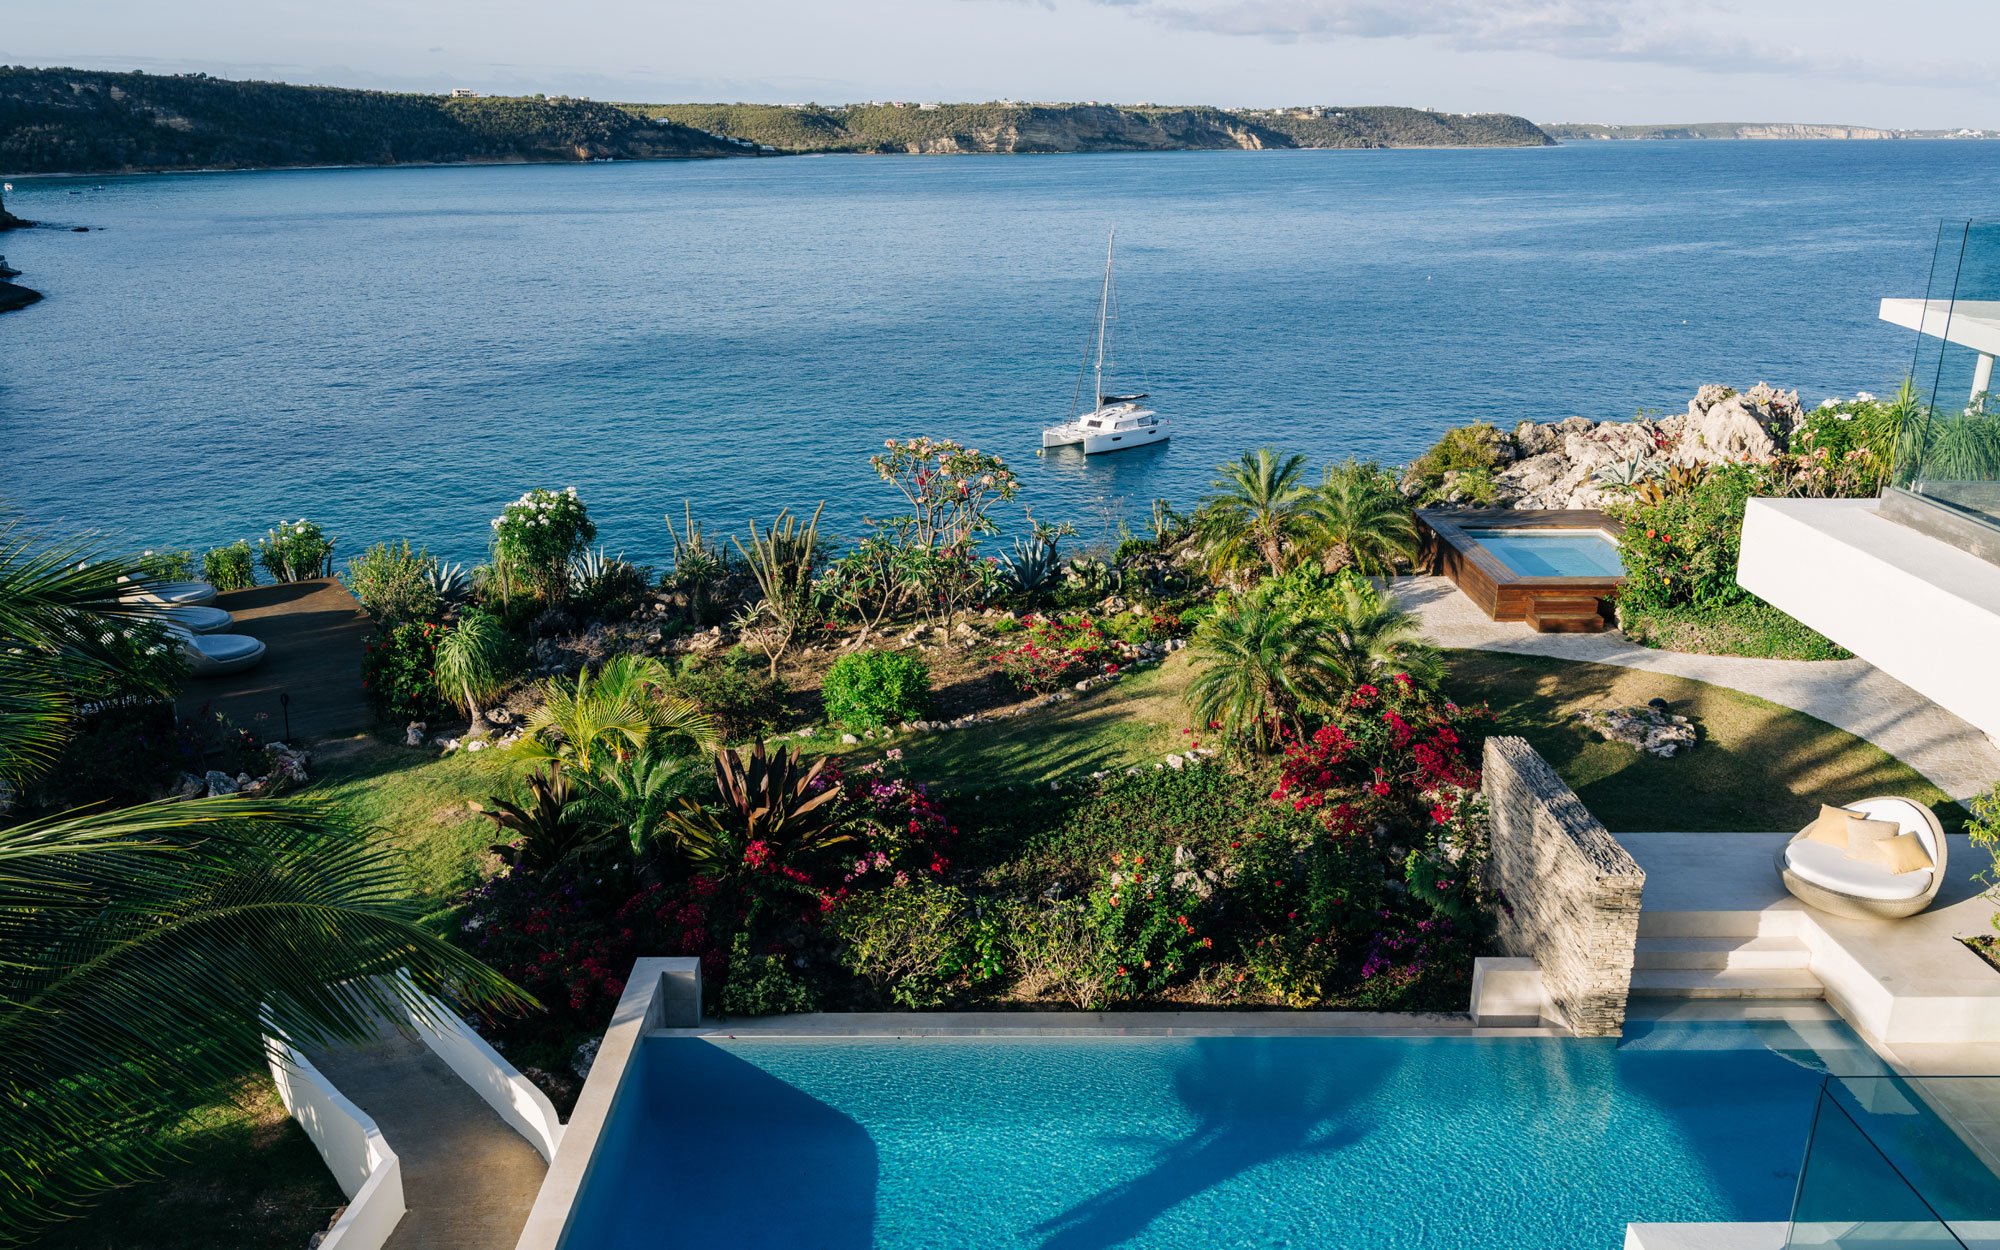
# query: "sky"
1906,63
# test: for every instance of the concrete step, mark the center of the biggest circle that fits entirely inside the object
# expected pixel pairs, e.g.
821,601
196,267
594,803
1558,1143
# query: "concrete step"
1725,983
1717,924
1719,953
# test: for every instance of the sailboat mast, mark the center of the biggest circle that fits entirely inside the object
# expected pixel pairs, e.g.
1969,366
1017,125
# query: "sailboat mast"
1103,309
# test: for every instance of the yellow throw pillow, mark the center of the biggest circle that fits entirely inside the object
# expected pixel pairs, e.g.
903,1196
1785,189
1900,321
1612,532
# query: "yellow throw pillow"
1863,834
1830,827
1903,853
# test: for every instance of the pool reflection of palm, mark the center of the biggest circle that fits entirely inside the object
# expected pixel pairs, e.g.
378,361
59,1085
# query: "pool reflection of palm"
1254,1103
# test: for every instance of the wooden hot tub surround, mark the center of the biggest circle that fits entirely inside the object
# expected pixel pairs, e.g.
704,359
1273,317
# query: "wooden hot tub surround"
1549,604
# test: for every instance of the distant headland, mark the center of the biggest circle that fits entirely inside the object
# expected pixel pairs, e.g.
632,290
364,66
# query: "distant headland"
63,121
1577,132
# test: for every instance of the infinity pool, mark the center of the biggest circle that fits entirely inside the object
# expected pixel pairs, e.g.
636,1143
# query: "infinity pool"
1553,552
1081,1143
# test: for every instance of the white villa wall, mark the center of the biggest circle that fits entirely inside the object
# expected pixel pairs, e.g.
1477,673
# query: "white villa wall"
1919,609
366,1170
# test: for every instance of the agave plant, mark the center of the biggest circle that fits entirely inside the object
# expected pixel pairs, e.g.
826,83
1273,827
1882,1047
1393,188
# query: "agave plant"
771,800
1034,566
545,826
1628,474
447,581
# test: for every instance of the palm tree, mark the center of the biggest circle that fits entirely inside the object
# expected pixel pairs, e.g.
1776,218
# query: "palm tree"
147,952
1370,638
472,666
1259,667
587,723
1359,520
1258,508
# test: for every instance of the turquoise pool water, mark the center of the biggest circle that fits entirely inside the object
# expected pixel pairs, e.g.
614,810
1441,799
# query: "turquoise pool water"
1553,553
1080,1143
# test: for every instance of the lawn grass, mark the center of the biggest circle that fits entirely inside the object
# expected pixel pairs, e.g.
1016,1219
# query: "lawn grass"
1135,723
416,800
249,1180
1758,766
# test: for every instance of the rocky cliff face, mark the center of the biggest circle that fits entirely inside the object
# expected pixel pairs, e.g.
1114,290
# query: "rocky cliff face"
1571,463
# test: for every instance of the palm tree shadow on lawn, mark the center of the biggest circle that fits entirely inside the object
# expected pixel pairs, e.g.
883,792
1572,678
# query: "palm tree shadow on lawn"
1255,1103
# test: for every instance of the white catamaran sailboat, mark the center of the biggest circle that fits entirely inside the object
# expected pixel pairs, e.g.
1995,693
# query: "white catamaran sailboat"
1117,421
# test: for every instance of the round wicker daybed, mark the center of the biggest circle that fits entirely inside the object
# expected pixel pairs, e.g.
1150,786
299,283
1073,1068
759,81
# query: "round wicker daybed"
1821,876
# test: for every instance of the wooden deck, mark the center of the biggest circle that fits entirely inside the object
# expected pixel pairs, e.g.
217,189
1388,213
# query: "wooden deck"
315,632
1548,604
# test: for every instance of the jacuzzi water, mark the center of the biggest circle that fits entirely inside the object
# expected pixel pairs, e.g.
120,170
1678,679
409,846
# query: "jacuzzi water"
1553,553
1323,1142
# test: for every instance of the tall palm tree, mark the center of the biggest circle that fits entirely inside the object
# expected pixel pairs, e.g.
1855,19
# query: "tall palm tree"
146,952
1259,668
588,723
1257,510
1359,520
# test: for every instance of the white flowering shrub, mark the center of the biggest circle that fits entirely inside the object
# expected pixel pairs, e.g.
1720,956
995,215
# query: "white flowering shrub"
294,551
537,536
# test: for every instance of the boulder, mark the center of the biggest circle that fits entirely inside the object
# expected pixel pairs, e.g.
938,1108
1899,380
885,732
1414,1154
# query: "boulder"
1649,729
413,733
219,783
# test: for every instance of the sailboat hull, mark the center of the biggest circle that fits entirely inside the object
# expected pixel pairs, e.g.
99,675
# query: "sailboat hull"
1098,441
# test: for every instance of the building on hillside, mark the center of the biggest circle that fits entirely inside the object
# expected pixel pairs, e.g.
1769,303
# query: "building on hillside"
1910,582
464,93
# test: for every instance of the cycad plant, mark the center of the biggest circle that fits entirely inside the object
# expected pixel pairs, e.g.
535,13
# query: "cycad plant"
632,798
597,719
472,664
145,952
1359,520
1258,667
1371,639
1259,509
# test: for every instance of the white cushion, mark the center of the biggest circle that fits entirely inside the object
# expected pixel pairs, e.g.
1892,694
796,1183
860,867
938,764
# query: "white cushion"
1830,868
173,594
199,620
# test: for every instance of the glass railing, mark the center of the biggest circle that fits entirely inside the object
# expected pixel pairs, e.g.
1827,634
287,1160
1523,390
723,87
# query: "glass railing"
1901,1163
1949,450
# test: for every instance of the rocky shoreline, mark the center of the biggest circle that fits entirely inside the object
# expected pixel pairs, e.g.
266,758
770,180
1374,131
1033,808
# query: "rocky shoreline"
1578,462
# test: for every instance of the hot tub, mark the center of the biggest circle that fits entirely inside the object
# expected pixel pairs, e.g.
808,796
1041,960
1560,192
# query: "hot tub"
1555,570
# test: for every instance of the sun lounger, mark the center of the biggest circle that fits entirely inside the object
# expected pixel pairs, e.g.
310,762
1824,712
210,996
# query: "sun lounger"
211,655
173,594
1828,878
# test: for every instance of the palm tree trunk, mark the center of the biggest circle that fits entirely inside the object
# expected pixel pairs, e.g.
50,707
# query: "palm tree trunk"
481,727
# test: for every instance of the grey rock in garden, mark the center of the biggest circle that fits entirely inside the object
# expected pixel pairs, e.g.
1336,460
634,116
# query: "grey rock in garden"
1176,763
413,733
1647,729
188,786
849,739
219,783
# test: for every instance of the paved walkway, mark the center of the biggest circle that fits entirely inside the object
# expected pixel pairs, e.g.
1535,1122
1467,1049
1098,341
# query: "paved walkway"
315,632
468,1178
1851,694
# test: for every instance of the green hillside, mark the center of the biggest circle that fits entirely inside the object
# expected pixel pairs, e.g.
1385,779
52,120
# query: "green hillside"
74,121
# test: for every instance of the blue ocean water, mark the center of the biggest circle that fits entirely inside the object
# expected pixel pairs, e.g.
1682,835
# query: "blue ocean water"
1216,1142
398,352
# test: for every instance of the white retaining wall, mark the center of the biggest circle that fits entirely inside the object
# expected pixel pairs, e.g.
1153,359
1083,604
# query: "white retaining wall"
526,1109
367,1171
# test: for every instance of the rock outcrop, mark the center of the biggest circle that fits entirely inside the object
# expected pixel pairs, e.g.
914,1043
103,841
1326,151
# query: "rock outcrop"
1572,463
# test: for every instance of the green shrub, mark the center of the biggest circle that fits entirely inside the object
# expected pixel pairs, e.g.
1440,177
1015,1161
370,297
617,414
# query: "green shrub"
1983,831
763,985
870,689
233,567
907,940
610,588
734,692
394,583
1471,451
1682,550
1143,911
398,670
1750,628
168,566
294,551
